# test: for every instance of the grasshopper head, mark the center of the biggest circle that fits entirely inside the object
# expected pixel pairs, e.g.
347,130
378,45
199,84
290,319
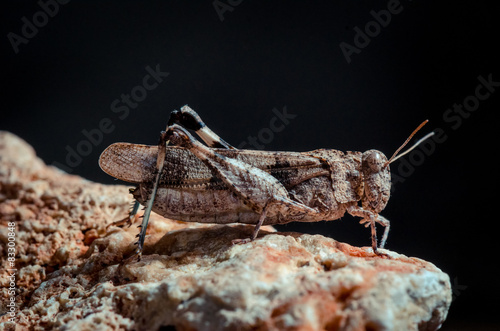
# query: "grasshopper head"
377,175
377,180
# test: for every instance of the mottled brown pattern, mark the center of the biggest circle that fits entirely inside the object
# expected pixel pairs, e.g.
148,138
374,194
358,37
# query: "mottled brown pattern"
197,183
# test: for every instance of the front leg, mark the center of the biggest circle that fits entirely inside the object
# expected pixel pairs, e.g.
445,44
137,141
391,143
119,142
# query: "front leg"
385,222
369,219
254,187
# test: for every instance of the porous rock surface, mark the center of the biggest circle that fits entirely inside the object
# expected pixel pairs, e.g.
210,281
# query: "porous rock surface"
69,275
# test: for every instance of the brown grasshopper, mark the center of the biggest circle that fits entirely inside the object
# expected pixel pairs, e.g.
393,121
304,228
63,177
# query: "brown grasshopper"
185,180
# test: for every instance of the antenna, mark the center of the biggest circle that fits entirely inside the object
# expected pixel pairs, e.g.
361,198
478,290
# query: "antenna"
394,158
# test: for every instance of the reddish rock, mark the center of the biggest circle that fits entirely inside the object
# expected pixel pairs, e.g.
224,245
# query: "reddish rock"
69,277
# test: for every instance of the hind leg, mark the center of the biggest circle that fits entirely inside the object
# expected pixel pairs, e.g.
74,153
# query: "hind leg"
189,119
254,187
162,147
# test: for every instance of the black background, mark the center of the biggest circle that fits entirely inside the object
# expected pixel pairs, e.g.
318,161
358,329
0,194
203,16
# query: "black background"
275,54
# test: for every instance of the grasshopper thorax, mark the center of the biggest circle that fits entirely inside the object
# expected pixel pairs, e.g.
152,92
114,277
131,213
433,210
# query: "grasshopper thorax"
377,180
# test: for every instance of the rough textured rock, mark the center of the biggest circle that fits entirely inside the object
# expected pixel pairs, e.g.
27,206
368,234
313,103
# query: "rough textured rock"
68,273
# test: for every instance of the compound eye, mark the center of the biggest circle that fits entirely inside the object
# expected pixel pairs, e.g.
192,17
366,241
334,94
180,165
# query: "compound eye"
375,161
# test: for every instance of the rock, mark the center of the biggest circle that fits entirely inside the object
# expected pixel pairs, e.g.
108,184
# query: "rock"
69,274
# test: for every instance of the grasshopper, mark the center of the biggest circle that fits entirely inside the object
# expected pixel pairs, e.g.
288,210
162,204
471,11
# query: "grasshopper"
183,179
